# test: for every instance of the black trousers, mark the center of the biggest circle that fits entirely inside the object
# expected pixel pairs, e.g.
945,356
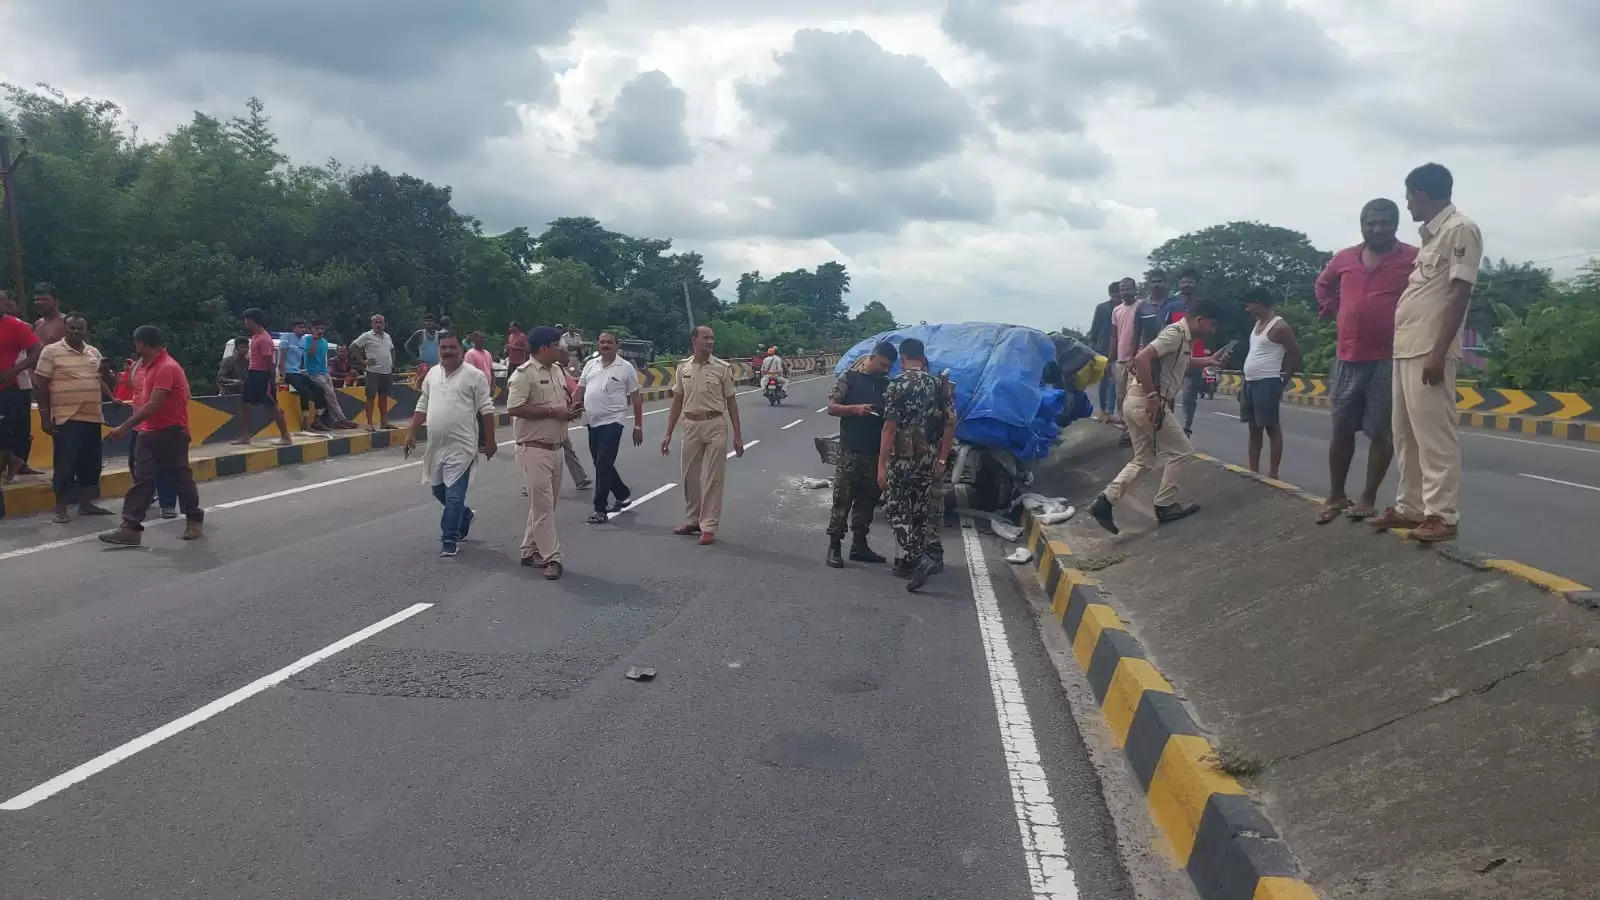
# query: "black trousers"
307,390
163,452
604,442
76,462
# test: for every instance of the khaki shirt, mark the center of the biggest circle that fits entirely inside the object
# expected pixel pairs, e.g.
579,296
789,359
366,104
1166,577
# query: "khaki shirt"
540,385
705,389
1452,249
1174,345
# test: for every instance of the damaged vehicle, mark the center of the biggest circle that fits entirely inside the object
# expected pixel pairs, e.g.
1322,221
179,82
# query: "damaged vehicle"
1015,389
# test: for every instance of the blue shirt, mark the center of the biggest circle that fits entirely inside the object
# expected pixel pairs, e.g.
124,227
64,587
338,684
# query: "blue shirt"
316,355
293,351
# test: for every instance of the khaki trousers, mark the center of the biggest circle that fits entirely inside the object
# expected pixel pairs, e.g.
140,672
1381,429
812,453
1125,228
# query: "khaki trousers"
705,456
1427,450
541,470
1123,371
1167,445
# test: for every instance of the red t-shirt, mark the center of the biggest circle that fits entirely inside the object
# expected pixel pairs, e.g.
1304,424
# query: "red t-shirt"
15,339
516,349
163,373
261,347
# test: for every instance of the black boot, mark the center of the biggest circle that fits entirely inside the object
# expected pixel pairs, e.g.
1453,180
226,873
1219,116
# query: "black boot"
902,567
835,547
920,573
1102,512
860,552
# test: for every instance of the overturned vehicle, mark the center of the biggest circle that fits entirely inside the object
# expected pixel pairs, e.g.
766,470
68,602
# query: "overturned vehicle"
1015,389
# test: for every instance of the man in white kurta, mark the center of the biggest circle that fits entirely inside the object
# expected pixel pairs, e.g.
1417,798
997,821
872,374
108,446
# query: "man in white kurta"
457,406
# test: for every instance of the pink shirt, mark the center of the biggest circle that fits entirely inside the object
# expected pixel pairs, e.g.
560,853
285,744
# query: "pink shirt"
261,347
480,357
1363,300
1122,321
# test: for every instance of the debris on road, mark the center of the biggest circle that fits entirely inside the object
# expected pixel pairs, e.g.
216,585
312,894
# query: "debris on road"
1020,556
1006,531
1048,510
639,673
815,484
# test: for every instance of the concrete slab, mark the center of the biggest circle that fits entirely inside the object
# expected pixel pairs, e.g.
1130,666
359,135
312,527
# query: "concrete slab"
1368,679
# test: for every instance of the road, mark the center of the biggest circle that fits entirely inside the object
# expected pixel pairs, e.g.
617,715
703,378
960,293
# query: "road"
310,703
1535,500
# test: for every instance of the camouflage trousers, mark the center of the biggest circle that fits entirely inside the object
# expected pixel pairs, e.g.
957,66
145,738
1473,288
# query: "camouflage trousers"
914,507
855,492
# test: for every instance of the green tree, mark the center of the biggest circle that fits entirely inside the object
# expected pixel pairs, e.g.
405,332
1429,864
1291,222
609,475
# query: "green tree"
874,318
1234,257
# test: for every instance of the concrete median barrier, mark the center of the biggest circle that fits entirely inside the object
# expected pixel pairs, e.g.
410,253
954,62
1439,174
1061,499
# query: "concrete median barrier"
1412,723
1561,414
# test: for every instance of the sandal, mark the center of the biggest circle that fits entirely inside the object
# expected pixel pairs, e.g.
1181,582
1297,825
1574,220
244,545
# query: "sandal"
1360,513
1331,511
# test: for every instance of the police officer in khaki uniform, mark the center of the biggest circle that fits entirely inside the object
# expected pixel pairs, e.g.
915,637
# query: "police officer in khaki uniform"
703,396
540,408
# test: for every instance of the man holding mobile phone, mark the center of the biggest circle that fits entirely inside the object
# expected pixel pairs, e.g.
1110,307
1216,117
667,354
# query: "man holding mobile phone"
1157,374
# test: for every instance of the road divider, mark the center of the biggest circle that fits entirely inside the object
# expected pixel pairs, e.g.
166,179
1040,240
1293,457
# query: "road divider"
1217,832
1560,414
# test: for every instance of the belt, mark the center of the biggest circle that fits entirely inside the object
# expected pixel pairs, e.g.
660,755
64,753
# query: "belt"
542,445
702,417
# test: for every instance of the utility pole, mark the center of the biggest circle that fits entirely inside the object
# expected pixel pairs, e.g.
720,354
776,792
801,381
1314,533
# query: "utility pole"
688,310
8,167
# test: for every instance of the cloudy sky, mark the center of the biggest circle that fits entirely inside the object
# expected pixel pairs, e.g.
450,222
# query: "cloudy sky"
969,159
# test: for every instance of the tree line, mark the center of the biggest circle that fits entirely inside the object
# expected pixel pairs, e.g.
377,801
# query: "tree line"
1537,332
188,231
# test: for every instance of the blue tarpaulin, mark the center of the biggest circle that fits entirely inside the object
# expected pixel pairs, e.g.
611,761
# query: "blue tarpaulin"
996,370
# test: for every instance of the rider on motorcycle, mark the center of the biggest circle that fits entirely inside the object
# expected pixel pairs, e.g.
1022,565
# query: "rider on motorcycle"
773,367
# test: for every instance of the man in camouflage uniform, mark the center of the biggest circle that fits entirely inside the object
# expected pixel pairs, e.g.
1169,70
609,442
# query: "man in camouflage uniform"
857,399
919,424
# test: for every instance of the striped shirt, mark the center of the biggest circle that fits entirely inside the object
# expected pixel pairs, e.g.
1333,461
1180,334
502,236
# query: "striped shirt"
74,382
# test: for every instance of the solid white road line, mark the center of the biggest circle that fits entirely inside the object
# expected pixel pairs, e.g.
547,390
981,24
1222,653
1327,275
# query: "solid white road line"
1587,487
823,410
1569,445
643,500
150,739
791,424
317,486
747,447
1043,843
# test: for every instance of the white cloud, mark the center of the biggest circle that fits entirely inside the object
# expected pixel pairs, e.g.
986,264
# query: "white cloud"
969,159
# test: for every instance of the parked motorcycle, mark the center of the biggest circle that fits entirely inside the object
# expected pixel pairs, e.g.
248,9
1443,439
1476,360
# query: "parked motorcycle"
774,391
1211,376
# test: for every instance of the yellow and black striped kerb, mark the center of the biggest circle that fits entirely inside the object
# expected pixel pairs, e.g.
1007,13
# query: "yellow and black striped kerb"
1228,848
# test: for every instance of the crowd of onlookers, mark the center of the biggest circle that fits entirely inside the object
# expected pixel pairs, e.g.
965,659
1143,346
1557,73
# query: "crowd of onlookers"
1399,311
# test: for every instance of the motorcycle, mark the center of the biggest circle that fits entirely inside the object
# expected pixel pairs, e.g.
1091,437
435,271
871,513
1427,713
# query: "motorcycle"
1210,377
774,391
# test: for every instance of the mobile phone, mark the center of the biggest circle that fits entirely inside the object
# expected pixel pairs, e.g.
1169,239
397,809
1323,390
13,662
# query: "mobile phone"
1228,348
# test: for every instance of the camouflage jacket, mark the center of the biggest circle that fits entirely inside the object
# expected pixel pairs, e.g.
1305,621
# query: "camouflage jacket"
918,401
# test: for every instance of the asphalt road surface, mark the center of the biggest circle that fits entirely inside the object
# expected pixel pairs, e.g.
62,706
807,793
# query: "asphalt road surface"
1535,500
310,703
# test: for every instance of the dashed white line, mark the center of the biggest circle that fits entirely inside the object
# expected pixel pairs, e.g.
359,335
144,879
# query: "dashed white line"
823,410
150,739
1587,487
791,424
643,500
1044,845
747,447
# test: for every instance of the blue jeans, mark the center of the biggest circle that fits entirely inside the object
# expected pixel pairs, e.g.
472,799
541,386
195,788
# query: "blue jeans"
454,499
166,489
1108,391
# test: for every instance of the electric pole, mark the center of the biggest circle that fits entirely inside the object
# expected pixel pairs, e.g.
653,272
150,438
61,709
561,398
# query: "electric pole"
8,167
687,309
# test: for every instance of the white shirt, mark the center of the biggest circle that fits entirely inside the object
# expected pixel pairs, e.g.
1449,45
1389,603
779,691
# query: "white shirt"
772,365
607,390
378,350
451,405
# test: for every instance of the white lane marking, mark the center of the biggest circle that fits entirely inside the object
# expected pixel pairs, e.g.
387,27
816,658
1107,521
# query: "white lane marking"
747,447
1225,415
1557,444
1587,487
740,394
1043,843
150,739
791,424
64,542
823,410
643,500
232,504
1493,640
